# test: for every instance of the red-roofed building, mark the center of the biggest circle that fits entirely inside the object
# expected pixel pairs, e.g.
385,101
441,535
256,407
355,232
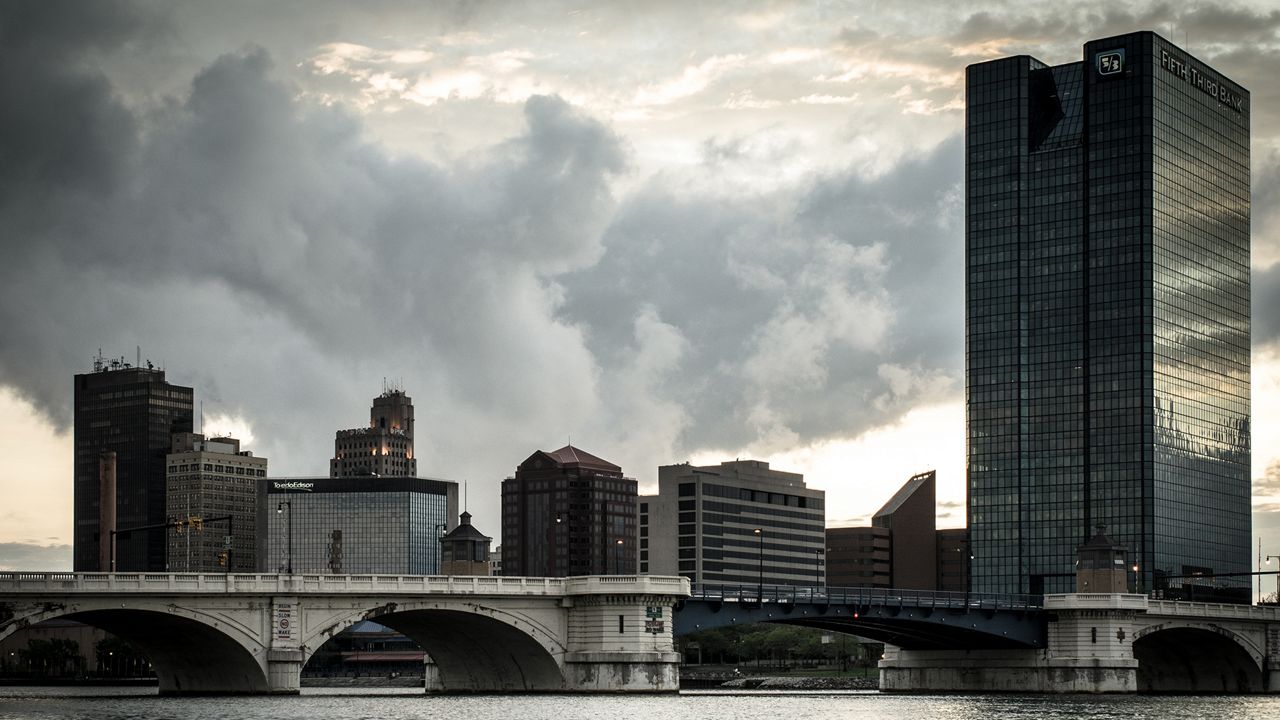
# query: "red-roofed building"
567,512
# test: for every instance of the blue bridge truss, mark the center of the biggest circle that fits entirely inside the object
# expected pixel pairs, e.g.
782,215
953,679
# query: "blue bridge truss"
911,619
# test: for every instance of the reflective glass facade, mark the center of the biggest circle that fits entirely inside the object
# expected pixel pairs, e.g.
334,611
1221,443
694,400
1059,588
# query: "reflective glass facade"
1107,337
355,526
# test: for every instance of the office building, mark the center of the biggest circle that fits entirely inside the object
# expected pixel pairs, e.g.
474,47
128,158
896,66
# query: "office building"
902,548
354,526
1107,315
568,512
131,411
738,522
384,448
910,518
953,560
859,557
213,480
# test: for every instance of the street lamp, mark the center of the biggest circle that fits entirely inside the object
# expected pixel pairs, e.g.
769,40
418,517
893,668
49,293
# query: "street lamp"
1269,558
617,557
760,589
817,567
280,507
440,531
553,543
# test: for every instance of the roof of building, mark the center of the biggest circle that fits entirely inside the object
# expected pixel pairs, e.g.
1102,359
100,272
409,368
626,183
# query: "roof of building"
465,530
904,493
1100,541
570,455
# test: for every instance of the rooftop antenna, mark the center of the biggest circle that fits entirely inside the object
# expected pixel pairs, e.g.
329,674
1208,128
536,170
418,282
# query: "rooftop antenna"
201,417
464,506
138,361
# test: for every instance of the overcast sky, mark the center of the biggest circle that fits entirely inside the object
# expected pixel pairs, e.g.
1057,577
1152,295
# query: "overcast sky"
670,231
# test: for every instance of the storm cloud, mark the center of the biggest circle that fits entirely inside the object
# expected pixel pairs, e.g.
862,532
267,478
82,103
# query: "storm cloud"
663,235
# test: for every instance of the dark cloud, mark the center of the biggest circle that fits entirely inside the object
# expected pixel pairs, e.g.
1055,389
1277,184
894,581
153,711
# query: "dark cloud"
282,264
1266,244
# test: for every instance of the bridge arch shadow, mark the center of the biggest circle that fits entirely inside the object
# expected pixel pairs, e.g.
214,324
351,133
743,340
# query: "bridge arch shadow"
188,653
1196,660
476,650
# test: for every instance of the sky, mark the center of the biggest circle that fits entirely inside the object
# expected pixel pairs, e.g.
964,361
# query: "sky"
669,231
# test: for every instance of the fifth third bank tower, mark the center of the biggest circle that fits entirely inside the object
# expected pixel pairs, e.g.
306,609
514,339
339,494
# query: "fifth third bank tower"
1107,316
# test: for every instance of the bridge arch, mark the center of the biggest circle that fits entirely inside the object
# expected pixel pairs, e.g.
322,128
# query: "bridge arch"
475,648
192,652
1196,658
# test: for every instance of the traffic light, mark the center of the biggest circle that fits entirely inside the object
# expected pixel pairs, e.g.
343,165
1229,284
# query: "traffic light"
178,525
222,559
197,523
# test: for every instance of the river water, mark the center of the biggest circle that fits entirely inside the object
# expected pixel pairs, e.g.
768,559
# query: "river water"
398,704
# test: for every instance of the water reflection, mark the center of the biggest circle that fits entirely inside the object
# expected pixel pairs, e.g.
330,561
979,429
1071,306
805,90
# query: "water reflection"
399,703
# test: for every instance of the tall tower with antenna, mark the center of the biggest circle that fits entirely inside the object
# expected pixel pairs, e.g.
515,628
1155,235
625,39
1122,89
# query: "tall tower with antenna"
385,447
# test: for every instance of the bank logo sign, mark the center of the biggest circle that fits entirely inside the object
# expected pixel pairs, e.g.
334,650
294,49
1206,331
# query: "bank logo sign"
304,486
1111,62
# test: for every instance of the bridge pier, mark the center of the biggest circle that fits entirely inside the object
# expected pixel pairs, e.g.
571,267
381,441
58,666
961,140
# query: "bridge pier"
284,671
621,643
1032,671
1088,649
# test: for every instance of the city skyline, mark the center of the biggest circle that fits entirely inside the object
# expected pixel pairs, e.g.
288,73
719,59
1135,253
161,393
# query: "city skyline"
670,236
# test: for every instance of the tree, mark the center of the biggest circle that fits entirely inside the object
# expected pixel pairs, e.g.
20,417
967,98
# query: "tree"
52,658
117,658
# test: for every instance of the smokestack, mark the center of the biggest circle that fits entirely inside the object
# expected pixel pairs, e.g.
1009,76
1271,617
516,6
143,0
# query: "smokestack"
106,508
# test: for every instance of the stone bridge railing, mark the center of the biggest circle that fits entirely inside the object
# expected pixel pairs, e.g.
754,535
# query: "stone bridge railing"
198,583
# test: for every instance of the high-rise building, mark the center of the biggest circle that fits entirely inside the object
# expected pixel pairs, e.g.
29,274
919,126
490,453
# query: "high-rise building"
1107,326
385,448
738,522
131,411
568,512
910,517
211,479
354,526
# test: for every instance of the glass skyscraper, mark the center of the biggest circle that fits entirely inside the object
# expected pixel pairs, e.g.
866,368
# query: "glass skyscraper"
354,525
1107,315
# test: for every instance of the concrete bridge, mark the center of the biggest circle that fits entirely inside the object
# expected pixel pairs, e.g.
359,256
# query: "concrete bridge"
210,633
1096,643
1112,643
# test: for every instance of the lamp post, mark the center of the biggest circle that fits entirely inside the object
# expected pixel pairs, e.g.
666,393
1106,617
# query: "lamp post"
760,589
617,557
553,542
817,567
440,531
280,507
1269,558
